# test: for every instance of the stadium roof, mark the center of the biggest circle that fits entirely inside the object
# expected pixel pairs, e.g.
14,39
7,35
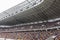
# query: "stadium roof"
31,11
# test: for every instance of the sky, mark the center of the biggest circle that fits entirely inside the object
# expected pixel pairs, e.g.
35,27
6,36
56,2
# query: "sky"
6,4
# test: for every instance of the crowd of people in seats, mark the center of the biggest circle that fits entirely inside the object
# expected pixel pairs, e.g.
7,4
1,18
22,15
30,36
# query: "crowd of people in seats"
8,35
39,25
32,35
57,37
33,26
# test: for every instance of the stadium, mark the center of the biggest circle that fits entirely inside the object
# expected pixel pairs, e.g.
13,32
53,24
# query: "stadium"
31,20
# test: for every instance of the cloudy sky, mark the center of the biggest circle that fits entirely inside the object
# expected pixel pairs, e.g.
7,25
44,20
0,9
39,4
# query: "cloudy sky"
6,4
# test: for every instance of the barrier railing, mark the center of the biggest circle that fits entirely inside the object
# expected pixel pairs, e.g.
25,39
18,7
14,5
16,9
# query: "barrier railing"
29,29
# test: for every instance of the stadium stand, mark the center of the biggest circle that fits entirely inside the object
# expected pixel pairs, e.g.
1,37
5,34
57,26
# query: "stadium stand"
39,31
36,20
